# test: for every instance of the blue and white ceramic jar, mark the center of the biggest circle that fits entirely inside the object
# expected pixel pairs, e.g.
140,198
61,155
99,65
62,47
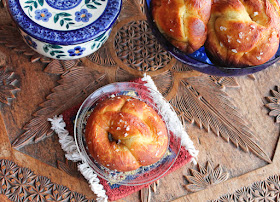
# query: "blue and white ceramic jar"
64,29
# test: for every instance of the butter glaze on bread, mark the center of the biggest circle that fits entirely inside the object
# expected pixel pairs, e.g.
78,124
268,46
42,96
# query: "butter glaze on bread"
184,23
243,32
124,133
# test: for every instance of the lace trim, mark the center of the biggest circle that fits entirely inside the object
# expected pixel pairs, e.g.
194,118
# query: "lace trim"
173,121
69,146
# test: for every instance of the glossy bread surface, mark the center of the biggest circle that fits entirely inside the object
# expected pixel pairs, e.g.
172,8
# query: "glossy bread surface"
184,23
243,33
124,133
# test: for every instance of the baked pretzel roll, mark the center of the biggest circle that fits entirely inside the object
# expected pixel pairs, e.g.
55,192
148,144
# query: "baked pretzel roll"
183,22
243,32
124,133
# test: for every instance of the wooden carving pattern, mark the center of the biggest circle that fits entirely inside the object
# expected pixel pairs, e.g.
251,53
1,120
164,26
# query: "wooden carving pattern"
137,47
2,3
76,84
130,9
122,75
205,176
142,3
146,192
267,190
60,66
223,82
195,99
6,85
102,57
11,38
69,167
274,105
164,82
181,67
21,184
199,98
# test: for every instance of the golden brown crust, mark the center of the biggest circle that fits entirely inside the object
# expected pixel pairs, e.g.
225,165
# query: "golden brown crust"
138,134
243,32
183,22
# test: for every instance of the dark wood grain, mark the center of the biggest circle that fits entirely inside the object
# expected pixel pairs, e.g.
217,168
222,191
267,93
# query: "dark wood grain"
47,87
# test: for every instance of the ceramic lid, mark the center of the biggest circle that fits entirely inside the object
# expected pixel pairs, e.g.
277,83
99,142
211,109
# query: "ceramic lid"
64,22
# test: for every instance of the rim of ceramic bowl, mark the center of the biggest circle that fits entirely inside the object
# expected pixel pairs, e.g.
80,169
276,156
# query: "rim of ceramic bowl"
65,37
89,102
61,52
200,66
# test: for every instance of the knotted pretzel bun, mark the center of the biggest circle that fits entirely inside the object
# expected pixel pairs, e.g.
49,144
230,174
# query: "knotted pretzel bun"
243,32
124,133
183,22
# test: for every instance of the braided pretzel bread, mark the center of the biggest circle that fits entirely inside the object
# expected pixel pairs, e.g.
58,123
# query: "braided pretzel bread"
243,32
124,133
183,22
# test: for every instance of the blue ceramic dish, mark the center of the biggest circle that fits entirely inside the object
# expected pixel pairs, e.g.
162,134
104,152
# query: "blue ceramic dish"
199,60
64,29
144,174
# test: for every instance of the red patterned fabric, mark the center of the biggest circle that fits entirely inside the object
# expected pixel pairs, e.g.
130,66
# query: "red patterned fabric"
120,191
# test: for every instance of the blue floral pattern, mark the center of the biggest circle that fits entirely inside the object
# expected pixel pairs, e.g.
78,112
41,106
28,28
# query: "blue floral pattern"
63,4
83,15
30,42
55,36
77,51
43,15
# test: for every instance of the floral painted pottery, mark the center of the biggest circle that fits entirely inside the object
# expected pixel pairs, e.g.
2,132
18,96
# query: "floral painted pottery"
64,29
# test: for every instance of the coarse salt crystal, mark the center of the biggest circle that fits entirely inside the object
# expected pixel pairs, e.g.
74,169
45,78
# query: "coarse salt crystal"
229,38
238,41
240,35
171,30
127,128
261,53
125,134
259,58
253,26
222,28
234,50
118,128
157,152
256,13
159,133
221,44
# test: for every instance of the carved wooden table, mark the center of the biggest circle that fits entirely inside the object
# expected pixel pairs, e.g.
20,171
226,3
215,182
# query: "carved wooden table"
234,122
